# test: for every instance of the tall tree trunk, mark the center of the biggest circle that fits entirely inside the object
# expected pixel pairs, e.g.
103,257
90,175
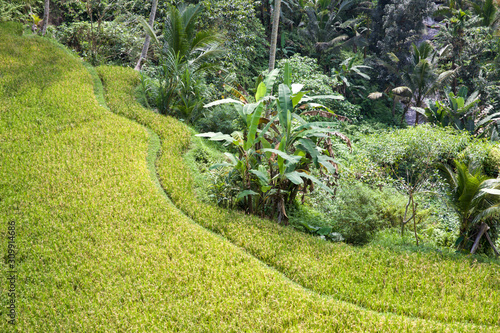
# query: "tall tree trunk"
145,47
274,33
45,23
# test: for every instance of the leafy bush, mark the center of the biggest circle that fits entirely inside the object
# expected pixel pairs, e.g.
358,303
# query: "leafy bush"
116,41
307,72
363,211
492,162
14,11
405,145
219,119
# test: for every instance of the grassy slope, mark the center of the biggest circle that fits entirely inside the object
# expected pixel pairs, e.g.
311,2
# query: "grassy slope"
419,284
100,249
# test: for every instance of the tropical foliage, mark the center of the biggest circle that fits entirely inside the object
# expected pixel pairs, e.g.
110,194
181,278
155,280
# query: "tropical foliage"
274,162
187,54
476,198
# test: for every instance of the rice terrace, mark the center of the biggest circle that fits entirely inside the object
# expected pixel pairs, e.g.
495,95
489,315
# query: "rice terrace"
249,166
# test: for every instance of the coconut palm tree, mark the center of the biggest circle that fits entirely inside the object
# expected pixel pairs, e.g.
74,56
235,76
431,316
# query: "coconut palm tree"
187,55
420,78
274,34
488,12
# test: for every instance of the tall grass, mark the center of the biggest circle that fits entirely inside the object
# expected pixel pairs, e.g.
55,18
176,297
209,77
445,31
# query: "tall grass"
99,249
423,285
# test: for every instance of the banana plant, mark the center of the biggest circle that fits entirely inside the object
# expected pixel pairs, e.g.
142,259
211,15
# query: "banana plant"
276,153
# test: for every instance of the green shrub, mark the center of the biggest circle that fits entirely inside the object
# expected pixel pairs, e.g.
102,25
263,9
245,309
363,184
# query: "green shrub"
307,72
117,43
14,11
440,145
219,119
491,163
363,211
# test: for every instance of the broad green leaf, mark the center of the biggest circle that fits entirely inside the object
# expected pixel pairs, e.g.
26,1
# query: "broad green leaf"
311,98
316,181
222,101
491,191
294,177
324,231
218,137
149,29
308,146
286,107
231,157
267,145
287,75
488,119
270,79
261,91
263,177
248,109
289,158
245,193
252,130
264,189
297,98
284,97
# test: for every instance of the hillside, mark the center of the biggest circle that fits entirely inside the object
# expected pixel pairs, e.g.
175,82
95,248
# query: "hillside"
101,248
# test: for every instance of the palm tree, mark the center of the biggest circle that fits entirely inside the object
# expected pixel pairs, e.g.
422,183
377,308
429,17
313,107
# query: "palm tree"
488,13
324,23
187,55
475,197
420,78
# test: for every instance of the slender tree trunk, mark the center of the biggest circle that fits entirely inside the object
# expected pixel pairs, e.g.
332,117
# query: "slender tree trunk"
45,23
145,48
417,115
274,33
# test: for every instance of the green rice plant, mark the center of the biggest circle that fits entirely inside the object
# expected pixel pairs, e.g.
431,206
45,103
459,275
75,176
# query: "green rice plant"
454,292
